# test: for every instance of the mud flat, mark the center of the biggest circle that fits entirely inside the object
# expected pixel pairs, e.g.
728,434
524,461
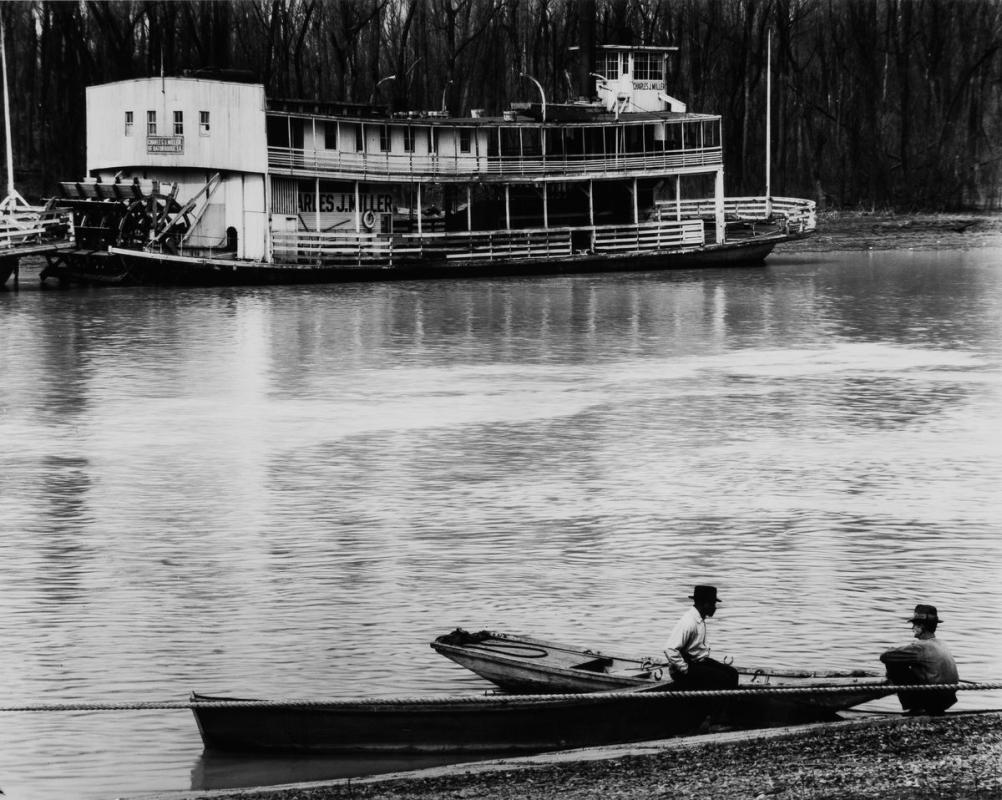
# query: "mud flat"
885,231
955,756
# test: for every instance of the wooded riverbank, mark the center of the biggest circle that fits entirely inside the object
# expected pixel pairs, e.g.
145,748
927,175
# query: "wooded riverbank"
872,102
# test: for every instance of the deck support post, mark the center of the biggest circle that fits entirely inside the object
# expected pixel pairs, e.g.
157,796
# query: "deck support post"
420,212
316,204
591,212
636,210
358,210
678,198
718,205
546,204
507,207
469,209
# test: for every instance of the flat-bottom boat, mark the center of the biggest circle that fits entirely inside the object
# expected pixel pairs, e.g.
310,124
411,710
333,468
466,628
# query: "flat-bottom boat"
524,664
493,724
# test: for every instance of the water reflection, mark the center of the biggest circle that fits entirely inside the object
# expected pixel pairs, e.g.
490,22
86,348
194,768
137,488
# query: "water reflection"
215,771
292,491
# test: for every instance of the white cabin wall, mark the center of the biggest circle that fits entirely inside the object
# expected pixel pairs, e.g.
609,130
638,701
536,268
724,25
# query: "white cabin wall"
235,146
253,243
235,141
448,146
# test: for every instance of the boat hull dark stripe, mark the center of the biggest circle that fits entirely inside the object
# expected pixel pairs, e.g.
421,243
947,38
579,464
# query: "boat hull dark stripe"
456,727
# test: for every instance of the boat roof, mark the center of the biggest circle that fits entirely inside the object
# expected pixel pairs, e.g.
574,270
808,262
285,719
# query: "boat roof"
554,117
641,48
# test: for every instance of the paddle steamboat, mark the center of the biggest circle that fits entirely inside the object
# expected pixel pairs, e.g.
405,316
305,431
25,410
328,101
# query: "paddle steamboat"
201,180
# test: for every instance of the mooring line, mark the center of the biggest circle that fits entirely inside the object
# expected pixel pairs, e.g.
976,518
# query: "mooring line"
881,689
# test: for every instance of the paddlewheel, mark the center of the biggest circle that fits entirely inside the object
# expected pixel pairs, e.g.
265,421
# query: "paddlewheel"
131,215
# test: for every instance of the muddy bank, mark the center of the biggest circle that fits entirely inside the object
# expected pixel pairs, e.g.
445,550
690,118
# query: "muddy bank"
876,231
891,758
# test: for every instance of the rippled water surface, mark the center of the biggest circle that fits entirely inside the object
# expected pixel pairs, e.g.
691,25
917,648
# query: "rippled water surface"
289,492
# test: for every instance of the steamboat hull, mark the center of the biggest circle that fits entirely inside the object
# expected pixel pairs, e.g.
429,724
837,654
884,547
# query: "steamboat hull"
137,268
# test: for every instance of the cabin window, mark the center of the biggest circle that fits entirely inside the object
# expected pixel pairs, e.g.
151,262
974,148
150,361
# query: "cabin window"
128,123
673,137
151,123
510,142
464,140
532,146
647,67
432,140
692,138
711,134
179,123
653,134
594,144
277,132
330,135
296,131
408,139
633,139
608,65
572,141
359,139
203,123
384,138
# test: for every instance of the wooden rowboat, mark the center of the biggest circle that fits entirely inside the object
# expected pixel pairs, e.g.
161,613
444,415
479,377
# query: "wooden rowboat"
523,664
475,724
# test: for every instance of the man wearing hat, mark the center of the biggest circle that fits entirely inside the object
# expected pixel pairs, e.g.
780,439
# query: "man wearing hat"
688,656
923,661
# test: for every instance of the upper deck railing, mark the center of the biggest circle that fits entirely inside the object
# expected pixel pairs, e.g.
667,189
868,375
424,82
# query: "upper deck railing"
406,166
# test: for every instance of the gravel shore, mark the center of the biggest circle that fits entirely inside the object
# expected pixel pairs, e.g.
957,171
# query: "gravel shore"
891,758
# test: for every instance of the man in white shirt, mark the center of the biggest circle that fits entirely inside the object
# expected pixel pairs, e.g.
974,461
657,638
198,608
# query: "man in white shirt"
688,655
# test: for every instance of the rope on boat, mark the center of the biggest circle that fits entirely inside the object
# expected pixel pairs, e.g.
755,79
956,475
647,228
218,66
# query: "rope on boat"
502,699
515,650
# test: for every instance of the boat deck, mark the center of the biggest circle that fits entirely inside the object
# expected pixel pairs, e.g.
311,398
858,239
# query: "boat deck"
10,257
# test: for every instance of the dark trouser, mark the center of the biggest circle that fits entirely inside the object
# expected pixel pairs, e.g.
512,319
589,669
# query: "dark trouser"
708,673
918,702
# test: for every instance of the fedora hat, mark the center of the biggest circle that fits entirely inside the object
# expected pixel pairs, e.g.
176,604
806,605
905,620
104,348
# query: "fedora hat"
924,613
705,594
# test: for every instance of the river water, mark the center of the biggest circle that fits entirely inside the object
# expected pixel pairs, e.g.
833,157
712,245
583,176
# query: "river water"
288,492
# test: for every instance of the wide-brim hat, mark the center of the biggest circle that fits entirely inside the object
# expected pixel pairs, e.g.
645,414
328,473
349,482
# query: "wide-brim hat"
924,613
705,594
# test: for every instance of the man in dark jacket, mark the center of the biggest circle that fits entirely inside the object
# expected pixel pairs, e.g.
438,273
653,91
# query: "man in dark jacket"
923,661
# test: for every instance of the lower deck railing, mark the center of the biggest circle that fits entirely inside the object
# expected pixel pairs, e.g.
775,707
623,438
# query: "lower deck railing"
33,225
671,225
498,245
795,213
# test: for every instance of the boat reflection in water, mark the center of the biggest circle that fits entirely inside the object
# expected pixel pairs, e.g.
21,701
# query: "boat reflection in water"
215,770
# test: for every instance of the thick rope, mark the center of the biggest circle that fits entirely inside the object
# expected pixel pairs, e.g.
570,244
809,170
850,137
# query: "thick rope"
502,699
